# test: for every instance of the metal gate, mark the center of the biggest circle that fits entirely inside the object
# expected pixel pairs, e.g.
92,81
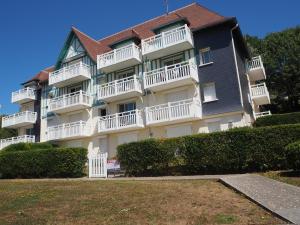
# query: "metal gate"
98,165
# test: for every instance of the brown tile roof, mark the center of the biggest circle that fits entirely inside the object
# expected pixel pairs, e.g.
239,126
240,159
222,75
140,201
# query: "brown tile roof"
41,76
196,15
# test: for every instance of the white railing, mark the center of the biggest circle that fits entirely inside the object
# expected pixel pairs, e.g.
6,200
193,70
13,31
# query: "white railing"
170,73
255,63
69,72
119,55
120,120
259,90
166,39
98,165
23,94
118,87
68,100
262,114
67,130
17,118
189,108
15,140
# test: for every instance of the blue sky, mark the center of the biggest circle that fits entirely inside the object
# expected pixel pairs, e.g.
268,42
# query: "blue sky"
33,31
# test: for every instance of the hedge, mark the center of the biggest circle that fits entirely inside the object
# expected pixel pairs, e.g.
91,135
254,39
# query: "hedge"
278,119
293,155
27,146
236,150
41,163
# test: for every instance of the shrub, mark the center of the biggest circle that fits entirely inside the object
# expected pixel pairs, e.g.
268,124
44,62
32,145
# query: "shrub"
26,147
278,119
236,150
293,155
55,162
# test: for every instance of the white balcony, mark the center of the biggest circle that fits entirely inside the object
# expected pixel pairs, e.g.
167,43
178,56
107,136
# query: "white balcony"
70,102
23,95
130,120
120,89
256,70
15,140
68,131
120,58
70,74
20,119
260,94
262,114
173,112
171,76
168,42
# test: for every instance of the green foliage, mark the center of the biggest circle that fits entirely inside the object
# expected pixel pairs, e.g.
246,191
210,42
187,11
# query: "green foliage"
281,56
293,155
5,132
26,147
236,150
278,119
55,162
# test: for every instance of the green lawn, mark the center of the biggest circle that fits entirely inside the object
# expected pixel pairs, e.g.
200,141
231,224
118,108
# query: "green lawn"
288,177
126,202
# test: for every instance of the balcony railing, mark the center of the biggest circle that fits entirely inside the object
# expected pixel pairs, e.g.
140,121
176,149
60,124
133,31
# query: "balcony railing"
181,35
70,74
256,69
123,88
184,110
70,102
68,131
23,95
121,121
260,94
15,140
19,119
122,57
262,114
170,75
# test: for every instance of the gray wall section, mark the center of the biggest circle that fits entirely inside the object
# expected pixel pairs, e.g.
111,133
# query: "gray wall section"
222,72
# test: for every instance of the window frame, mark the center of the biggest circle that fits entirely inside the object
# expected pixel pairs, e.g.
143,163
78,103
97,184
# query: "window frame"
202,51
206,85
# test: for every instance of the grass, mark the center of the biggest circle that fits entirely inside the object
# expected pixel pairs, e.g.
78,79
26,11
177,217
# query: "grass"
289,177
197,202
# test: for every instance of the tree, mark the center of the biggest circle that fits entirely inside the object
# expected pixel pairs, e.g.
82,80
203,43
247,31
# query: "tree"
281,56
6,133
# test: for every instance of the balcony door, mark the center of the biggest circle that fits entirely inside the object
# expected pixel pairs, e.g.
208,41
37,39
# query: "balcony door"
173,60
178,108
127,114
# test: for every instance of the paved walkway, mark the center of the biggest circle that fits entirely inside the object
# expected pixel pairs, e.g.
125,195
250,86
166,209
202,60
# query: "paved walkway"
280,198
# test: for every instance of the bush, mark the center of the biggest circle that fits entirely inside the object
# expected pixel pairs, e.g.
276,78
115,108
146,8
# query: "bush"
278,119
55,162
236,150
26,147
293,155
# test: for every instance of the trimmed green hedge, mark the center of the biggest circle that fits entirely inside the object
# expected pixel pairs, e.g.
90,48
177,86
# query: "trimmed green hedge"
278,119
26,147
236,150
293,155
56,162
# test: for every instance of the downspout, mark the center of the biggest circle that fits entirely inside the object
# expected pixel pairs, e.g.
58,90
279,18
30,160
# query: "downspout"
236,65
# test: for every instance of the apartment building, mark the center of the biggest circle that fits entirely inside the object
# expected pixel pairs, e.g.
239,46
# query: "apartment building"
182,73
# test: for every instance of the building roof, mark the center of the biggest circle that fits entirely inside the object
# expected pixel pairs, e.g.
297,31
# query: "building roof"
196,15
41,76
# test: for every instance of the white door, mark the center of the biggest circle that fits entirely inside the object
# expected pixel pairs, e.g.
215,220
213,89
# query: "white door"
75,117
177,96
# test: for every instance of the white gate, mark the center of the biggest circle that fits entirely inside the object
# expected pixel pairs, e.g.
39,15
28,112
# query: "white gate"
98,165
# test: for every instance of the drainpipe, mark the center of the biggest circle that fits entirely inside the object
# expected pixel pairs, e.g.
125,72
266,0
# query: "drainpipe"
236,65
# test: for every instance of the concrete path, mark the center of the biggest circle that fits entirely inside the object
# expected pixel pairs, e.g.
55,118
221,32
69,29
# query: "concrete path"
277,197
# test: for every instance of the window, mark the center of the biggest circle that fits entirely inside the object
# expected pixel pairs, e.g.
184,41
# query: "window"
125,74
74,89
102,112
127,107
205,56
172,60
29,131
213,126
209,92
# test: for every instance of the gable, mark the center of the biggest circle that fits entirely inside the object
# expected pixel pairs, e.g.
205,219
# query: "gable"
75,48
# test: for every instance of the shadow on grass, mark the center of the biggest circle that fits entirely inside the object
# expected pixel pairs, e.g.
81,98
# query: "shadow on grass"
290,173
